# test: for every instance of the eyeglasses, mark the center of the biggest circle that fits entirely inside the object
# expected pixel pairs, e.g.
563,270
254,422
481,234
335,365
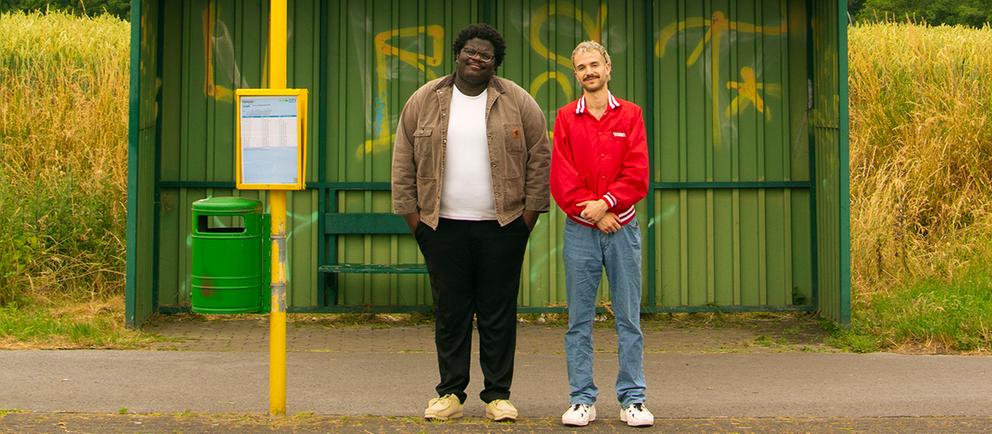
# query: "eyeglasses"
481,55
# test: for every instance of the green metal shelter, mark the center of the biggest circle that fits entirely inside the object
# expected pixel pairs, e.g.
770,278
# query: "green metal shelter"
745,103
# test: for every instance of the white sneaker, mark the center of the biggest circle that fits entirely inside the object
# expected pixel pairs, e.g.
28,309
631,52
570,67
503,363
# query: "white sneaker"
637,415
579,415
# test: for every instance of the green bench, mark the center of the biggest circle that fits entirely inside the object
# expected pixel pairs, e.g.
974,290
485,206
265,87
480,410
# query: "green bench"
337,224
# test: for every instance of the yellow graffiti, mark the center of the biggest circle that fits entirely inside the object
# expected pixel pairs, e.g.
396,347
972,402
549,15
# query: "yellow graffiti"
747,93
593,26
382,137
419,60
671,30
716,27
563,79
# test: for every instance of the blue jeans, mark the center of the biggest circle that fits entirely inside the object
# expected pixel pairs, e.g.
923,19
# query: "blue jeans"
586,252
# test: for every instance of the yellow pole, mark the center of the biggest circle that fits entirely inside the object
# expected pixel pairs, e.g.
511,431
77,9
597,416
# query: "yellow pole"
277,208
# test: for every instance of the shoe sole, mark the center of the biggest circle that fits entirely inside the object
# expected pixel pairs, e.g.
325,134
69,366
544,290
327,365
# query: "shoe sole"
623,418
636,425
643,425
591,419
443,418
575,424
501,419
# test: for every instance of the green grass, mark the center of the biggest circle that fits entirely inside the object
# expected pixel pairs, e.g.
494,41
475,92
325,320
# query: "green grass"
75,325
931,316
6,411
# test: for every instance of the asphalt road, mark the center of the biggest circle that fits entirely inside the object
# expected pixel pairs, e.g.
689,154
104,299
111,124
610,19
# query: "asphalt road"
399,384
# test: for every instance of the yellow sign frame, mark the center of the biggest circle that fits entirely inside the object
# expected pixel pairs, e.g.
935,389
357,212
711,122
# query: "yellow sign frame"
301,138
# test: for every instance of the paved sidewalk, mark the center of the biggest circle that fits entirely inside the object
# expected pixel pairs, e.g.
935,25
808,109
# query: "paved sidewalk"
392,371
241,423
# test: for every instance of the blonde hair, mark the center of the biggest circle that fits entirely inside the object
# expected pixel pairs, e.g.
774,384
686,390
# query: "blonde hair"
585,46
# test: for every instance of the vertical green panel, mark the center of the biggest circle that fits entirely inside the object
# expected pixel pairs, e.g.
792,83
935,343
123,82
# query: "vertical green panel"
145,217
170,243
697,252
826,220
669,248
172,112
776,249
302,219
143,116
170,153
830,130
844,185
305,49
302,247
747,118
824,82
717,74
723,256
668,97
194,110
802,277
750,282
797,88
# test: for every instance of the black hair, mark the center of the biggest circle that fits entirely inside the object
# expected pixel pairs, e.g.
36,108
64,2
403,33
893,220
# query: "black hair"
481,31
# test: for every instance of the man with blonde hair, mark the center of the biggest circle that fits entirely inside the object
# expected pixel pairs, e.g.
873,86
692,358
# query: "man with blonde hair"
599,171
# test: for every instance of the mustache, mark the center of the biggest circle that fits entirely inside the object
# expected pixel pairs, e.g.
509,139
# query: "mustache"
590,76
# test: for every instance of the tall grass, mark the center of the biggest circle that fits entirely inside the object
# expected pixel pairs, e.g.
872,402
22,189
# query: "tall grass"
921,151
63,156
921,183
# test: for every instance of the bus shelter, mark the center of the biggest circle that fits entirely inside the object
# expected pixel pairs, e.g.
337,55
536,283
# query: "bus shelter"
745,104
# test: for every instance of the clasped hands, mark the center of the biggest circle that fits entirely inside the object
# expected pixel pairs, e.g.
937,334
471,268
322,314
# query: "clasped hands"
597,211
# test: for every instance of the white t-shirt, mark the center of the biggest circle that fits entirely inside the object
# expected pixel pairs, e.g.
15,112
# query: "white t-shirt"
467,192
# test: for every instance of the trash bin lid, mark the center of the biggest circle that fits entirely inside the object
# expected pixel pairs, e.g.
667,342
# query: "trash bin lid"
227,205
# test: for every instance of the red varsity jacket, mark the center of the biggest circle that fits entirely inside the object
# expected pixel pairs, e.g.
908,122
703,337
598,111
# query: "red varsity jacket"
599,159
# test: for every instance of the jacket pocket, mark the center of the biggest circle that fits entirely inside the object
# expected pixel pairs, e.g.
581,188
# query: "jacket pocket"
423,150
515,151
618,145
427,193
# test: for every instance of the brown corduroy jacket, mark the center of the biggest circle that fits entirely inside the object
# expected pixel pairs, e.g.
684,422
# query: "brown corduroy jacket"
519,153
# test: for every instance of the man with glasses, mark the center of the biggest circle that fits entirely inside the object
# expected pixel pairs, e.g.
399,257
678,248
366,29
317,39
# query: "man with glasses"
470,176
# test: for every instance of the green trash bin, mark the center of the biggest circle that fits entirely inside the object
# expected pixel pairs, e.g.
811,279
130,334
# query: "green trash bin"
231,256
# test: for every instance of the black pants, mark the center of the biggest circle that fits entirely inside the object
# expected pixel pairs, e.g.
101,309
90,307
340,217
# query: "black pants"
474,268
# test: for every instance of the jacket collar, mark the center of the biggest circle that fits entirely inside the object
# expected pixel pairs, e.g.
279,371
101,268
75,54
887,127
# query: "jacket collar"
612,102
449,81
